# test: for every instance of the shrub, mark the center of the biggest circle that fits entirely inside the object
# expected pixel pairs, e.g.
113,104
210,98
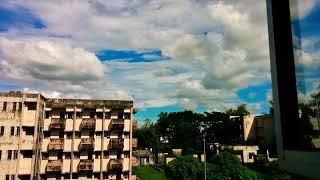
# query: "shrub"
184,167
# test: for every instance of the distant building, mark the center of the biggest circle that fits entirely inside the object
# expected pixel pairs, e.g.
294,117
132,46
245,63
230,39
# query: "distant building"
45,138
243,152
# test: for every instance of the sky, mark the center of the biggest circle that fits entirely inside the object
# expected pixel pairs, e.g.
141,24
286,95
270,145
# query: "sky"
164,55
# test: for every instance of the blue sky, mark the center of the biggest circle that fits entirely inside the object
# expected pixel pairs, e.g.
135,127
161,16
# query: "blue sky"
165,55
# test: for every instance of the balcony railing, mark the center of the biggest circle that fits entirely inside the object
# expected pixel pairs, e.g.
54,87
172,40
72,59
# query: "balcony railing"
55,144
116,144
54,166
87,143
115,165
57,123
117,125
88,123
85,165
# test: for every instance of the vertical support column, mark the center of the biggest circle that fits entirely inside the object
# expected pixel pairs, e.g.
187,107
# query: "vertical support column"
102,142
20,136
130,145
35,140
73,137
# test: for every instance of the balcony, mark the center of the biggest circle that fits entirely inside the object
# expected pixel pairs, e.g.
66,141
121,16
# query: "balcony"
87,143
117,125
54,166
55,144
85,165
57,123
116,144
115,165
88,124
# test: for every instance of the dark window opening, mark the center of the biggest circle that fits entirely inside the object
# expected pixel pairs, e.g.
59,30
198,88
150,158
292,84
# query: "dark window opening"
45,156
32,106
120,115
12,131
99,115
47,114
7,177
0,154
14,108
127,115
18,131
62,114
9,154
1,130
78,134
60,155
92,114
27,153
4,108
91,134
107,115
70,115
105,154
69,135
46,134
29,131
19,106
61,134
76,155
97,154
99,133
15,154
78,115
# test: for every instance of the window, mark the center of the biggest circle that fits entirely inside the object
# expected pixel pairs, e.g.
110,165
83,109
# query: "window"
76,155
70,115
12,131
92,114
45,156
62,114
105,154
47,114
27,153
78,115
127,115
99,115
31,106
69,135
0,154
18,131
108,115
67,155
98,133
14,108
97,154
19,106
15,154
251,155
7,177
4,108
91,134
9,154
29,131
1,130
107,134
77,134
120,115
46,134
12,177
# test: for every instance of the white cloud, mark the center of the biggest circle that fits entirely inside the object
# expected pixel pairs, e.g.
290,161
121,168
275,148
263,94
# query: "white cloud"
216,48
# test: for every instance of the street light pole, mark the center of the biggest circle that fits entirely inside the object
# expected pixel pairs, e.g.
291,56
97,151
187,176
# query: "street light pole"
205,158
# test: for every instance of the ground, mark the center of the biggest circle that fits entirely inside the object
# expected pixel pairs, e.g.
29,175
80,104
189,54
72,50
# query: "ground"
149,173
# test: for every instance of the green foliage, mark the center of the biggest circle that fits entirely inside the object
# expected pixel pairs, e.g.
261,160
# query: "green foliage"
184,167
240,110
148,137
148,173
227,166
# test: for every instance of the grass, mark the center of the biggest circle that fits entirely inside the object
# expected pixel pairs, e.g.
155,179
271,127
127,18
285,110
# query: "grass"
149,173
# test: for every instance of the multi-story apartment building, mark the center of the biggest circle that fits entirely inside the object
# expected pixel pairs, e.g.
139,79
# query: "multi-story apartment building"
44,138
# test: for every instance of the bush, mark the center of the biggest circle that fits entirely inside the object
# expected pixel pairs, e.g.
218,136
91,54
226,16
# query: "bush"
184,167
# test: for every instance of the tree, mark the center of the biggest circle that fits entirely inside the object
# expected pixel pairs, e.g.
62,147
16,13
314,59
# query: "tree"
148,137
181,129
184,167
240,110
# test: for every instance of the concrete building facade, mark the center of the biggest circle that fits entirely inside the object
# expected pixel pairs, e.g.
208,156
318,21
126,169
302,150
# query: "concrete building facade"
44,138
